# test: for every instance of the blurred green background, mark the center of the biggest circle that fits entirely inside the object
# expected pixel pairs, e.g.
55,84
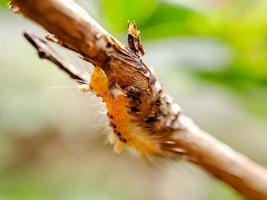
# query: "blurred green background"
211,55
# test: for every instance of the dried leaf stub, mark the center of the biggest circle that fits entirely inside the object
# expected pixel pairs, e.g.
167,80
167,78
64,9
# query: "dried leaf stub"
134,39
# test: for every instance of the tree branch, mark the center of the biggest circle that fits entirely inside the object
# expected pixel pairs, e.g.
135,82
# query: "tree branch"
149,106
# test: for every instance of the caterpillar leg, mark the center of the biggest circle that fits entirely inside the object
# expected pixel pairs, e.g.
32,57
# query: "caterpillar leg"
119,147
85,88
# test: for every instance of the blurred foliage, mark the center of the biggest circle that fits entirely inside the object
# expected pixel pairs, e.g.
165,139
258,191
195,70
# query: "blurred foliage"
118,12
156,19
3,3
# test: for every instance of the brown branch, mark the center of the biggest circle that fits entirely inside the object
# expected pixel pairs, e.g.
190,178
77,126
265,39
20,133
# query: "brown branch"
151,107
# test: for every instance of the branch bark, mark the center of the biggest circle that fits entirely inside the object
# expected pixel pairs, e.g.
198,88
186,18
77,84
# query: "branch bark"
157,114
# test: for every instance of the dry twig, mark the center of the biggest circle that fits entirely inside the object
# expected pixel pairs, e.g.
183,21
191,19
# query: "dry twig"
151,109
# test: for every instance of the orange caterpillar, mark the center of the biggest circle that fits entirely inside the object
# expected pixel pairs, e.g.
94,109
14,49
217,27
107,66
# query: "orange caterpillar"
144,127
126,132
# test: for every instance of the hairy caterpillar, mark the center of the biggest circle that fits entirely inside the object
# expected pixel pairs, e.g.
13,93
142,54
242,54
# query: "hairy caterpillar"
123,104
126,131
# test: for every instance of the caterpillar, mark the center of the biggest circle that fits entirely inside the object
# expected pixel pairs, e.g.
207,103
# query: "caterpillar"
131,127
126,131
